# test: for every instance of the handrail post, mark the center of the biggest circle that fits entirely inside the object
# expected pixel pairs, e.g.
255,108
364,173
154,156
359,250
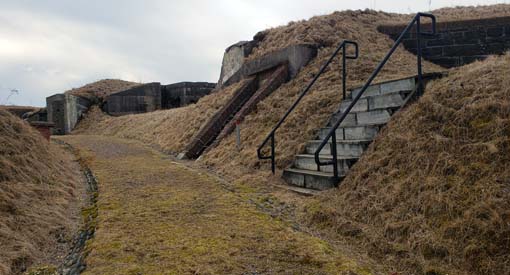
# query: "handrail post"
273,164
418,46
335,155
344,72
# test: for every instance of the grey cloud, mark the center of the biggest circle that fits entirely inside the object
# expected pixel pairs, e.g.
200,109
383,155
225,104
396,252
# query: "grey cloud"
53,45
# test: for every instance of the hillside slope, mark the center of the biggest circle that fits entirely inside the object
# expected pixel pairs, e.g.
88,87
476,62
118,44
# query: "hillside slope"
40,194
172,129
432,193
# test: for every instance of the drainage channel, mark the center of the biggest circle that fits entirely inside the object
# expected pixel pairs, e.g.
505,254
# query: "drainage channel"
74,262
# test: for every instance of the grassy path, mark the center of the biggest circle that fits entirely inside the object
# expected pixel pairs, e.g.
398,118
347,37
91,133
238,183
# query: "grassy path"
156,216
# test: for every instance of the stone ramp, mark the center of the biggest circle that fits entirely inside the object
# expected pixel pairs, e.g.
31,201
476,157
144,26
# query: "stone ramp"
224,121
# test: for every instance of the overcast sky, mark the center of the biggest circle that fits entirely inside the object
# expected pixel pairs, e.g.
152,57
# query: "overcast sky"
50,46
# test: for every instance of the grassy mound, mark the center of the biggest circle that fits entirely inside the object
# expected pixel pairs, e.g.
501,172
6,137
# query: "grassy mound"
172,129
433,191
37,187
102,88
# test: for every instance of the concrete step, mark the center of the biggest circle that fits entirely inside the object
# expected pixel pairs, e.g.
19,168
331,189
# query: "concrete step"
307,162
363,118
367,132
386,88
387,101
344,148
309,179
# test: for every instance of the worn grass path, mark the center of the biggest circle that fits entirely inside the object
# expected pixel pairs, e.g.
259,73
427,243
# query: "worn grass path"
156,216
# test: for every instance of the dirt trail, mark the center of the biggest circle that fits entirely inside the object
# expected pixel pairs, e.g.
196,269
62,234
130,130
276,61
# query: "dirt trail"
156,216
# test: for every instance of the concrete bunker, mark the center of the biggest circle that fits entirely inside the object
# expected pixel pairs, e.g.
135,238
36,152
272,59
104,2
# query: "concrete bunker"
65,110
264,75
140,99
184,93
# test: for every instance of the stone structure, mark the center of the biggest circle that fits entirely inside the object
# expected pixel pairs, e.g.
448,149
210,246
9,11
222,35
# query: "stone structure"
65,110
140,99
233,59
296,56
264,75
460,42
184,93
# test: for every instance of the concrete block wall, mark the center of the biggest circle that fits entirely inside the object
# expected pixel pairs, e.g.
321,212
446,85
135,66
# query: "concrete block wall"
140,99
460,42
184,93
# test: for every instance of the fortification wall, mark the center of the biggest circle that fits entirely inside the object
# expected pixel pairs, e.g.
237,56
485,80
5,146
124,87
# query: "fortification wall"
140,99
460,42
184,93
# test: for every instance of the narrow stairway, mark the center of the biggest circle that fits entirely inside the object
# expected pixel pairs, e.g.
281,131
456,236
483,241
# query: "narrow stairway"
373,110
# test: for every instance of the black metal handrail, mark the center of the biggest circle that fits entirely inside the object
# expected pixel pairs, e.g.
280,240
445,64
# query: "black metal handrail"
332,133
271,135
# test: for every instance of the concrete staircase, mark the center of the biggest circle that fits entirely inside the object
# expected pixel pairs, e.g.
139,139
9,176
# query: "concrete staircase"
373,110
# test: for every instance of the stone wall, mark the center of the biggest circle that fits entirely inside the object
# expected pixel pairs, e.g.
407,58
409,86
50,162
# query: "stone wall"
460,42
65,110
184,93
140,99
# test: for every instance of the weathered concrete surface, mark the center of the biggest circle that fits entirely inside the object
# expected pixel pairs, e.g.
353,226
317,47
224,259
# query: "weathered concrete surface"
140,99
38,115
459,42
296,56
233,59
184,93
65,110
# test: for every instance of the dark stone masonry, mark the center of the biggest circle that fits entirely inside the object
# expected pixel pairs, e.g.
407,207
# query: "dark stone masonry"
184,93
140,99
460,42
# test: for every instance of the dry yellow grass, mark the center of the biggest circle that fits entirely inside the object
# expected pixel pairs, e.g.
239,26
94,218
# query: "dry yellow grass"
19,110
432,193
443,185
40,194
156,216
472,12
325,96
100,89
169,130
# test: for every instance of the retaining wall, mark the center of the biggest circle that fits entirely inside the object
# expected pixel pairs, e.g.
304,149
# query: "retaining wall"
460,42
140,99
